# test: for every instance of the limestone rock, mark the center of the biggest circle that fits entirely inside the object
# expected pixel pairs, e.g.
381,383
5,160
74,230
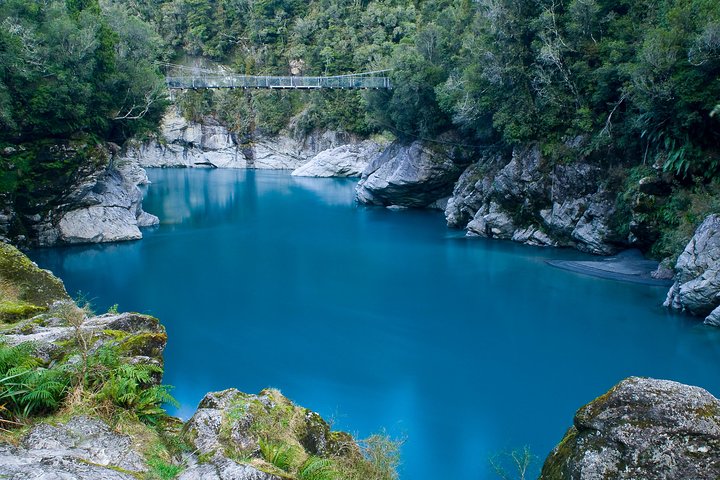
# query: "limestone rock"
714,318
697,282
83,448
140,338
226,423
111,211
224,469
524,199
641,429
183,143
411,175
344,161
27,289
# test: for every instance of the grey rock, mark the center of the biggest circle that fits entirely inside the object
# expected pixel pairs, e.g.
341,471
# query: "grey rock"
224,469
344,161
714,318
182,143
524,199
411,175
82,448
110,211
641,429
144,342
204,427
697,282
466,198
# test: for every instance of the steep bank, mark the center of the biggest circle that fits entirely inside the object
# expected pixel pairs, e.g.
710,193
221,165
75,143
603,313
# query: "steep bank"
183,143
99,414
97,201
697,281
519,196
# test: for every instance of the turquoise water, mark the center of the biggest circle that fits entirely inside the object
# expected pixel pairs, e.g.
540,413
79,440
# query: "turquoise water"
380,319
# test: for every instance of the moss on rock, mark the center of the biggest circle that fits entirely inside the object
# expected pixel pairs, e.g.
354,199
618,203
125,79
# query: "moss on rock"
25,289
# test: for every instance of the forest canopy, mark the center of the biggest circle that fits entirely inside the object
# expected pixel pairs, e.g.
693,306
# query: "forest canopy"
632,80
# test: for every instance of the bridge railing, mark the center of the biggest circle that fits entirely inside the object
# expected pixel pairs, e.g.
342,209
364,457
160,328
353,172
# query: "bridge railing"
265,81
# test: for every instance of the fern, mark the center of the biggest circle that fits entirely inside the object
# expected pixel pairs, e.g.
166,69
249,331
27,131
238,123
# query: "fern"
129,386
282,455
25,387
316,468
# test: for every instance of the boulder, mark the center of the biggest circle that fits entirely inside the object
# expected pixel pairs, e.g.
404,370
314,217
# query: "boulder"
697,273
82,448
641,429
225,433
109,212
344,161
138,338
25,289
410,175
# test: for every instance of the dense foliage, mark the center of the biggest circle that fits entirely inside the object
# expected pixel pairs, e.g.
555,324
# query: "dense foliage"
69,67
637,80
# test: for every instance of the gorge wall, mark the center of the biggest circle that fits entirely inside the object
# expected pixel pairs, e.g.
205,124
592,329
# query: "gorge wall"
99,201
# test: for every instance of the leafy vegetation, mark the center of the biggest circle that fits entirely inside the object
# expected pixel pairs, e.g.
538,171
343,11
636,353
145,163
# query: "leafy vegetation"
70,67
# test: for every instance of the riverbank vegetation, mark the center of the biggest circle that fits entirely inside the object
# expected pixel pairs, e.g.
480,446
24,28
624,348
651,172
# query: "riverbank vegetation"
619,83
625,83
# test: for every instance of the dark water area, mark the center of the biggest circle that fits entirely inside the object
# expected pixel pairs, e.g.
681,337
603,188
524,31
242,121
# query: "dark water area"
380,319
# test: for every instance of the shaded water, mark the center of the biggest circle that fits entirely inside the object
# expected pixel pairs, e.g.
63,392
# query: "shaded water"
380,319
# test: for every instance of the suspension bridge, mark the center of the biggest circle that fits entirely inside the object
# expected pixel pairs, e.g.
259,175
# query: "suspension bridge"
212,79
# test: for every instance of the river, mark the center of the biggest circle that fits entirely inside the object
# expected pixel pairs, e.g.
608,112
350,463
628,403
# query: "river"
380,319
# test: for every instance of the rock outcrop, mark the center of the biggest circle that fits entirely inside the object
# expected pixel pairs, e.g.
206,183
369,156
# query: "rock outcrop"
641,429
37,309
411,175
109,211
225,428
98,201
25,289
525,199
82,448
191,144
344,161
697,274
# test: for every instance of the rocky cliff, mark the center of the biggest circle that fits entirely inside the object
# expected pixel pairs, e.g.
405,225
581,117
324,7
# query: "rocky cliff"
641,429
411,175
697,281
184,143
518,196
98,201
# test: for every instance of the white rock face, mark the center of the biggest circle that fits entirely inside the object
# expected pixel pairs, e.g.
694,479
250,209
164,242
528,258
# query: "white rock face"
99,224
209,144
343,161
109,212
521,199
697,282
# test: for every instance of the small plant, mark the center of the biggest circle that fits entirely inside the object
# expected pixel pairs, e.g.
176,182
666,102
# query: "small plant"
162,470
282,455
113,309
516,465
316,468
26,388
128,386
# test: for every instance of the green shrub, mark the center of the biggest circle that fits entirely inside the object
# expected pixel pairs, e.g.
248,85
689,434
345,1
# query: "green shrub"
127,386
26,388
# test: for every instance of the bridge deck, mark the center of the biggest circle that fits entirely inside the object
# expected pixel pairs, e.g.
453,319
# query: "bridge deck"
249,81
